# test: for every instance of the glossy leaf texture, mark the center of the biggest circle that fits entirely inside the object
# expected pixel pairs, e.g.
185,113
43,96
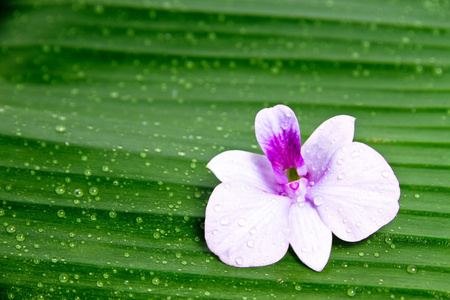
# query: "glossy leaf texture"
111,109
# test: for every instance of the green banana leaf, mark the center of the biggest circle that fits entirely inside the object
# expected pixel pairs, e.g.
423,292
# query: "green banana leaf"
111,109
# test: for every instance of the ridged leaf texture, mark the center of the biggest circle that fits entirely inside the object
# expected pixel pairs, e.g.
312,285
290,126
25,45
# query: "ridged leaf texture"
111,109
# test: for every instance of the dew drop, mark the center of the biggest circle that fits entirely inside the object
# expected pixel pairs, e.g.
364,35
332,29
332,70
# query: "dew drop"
385,174
61,213
341,176
340,161
78,193
351,292
63,278
318,200
20,237
60,190
411,269
60,128
356,153
224,221
112,214
11,229
99,283
242,222
93,191
250,243
298,287
239,261
217,208
358,224
227,186
388,240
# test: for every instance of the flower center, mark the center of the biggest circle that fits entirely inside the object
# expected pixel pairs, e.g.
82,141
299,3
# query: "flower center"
296,190
292,174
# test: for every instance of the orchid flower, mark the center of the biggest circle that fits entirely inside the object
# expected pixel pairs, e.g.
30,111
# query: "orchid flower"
297,195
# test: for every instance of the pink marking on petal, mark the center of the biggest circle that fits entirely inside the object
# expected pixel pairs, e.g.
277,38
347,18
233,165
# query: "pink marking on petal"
294,185
278,135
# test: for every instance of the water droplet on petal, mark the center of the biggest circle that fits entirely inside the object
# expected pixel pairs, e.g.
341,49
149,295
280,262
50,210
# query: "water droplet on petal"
239,261
340,161
356,153
385,174
224,221
242,222
341,176
250,243
253,231
227,185
217,208
318,200
358,224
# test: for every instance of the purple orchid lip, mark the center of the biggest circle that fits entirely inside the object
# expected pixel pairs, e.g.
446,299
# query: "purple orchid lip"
297,195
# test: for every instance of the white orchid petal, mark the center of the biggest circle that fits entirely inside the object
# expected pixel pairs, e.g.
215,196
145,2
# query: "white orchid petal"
310,238
358,193
245,226
324,141
241,166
